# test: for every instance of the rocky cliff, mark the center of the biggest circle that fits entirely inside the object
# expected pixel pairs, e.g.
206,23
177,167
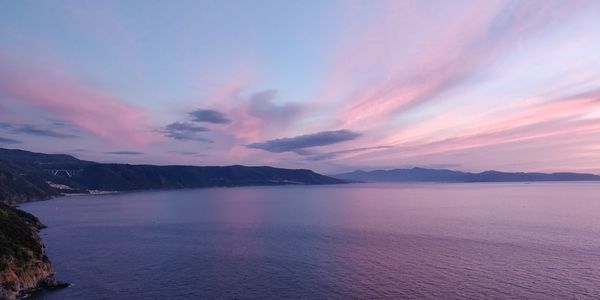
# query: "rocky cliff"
24,266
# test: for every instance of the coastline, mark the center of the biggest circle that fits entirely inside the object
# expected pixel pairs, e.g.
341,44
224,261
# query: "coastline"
43,277
24,266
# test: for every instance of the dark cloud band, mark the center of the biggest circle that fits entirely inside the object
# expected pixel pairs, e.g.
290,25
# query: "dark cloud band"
124,152
8,141
300,143
209,116
34,130
185,131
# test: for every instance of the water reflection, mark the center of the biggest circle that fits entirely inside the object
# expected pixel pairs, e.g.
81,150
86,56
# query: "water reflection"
358,241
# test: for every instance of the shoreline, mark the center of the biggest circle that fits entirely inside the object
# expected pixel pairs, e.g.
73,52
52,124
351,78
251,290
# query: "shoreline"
24,266
407,183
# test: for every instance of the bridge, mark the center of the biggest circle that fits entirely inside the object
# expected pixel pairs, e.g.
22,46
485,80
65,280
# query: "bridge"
67,172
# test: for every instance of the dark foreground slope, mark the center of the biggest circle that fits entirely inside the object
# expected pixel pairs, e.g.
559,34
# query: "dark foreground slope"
441,175
24,266
28,176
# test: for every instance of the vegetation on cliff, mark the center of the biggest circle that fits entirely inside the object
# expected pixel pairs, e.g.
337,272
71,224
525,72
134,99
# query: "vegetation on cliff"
24,265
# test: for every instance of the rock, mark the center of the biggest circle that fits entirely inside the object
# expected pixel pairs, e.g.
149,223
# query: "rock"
24,266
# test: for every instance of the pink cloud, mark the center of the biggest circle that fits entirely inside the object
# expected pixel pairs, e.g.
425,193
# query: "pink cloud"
454,45
255,115
537,124
407,77
49,88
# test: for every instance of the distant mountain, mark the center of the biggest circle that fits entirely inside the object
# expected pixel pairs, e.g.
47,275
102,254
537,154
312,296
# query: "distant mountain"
27,175
442,175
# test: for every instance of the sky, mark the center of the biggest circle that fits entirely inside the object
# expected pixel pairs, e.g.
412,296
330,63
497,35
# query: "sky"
332,86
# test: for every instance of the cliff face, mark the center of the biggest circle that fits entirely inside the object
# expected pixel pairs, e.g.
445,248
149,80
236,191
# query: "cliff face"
24,266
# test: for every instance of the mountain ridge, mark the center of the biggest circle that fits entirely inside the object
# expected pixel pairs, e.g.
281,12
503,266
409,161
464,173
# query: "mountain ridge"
418,174
26,176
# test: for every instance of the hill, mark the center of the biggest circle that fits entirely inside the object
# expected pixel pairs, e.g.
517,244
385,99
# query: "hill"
443,175
28,176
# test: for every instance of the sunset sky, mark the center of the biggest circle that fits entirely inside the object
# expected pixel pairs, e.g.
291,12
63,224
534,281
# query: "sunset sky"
328,85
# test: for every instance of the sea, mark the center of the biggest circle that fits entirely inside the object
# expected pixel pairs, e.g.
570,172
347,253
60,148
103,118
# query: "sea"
350,241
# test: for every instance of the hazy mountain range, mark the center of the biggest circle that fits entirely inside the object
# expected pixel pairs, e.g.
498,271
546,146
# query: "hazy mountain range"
443,175
27,175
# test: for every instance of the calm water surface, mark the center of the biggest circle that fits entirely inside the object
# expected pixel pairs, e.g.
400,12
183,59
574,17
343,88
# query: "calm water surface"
469,241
